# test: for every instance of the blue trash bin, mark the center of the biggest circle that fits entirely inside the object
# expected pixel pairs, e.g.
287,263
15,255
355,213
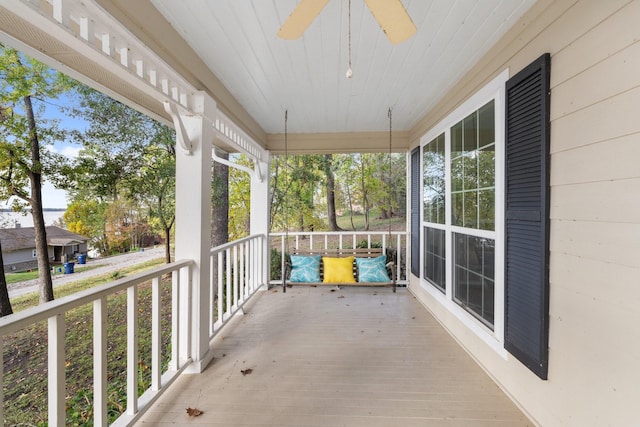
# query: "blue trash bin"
82,259
68,267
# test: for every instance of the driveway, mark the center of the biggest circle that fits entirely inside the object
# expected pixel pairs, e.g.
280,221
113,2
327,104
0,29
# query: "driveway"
106,265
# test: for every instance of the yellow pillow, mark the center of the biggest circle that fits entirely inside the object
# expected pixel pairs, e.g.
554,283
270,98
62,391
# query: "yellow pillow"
338,270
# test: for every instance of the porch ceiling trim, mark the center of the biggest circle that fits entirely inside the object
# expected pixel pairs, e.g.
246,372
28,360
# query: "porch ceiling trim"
84,28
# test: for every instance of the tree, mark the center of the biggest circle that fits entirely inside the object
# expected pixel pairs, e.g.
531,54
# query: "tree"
331,193
86,216
125,155
220,202
5,302
22,136
239,200
156,183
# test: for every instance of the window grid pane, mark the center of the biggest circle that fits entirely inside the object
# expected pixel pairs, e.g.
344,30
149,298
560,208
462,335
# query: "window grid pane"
434,181
474,273
434,257
473,170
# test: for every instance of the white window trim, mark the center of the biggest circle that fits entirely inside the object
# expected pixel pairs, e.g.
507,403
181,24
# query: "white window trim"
495,90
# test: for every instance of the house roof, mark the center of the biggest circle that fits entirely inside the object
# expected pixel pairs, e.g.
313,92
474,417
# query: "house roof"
14,239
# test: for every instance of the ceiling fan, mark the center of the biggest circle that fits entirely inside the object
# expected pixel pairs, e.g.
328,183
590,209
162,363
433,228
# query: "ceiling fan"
390,14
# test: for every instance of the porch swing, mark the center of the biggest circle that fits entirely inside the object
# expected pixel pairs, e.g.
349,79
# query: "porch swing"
340,266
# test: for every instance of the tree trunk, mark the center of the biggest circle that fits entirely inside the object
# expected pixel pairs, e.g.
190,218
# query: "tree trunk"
220,203
219,211
331,194
167,245
35,177
5,303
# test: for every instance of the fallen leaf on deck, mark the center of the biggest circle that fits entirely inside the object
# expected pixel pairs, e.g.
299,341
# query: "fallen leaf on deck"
341,296
246,371
193,412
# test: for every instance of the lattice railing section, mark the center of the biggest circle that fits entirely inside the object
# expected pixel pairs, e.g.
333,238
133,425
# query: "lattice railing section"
87,28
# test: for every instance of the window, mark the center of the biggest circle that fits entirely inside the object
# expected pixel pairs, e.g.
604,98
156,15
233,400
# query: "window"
473,183
462,220
487,263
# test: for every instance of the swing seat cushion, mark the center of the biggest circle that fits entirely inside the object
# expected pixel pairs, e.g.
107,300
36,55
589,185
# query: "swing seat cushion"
305,268
372,269
338,270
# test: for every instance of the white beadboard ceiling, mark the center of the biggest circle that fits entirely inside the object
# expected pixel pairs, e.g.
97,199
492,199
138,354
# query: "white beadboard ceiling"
267,75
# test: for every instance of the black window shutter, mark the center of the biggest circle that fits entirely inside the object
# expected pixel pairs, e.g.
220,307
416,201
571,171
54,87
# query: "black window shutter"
527,216
415,212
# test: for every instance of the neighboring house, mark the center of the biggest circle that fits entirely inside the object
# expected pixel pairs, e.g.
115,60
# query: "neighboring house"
19,247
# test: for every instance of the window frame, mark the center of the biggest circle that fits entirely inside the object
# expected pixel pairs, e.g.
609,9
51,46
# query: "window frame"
493,90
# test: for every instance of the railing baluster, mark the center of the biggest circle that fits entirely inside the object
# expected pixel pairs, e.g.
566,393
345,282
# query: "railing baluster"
56,375
220,290
212,294
100,362
243,273
132,350
156,334
175,320
227,295
235,278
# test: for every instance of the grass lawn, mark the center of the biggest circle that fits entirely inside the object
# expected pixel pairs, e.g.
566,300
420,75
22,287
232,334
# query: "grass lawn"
25,354
33,274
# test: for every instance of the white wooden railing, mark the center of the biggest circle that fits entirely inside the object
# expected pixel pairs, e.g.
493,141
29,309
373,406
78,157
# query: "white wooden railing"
54,312
237,272
396,241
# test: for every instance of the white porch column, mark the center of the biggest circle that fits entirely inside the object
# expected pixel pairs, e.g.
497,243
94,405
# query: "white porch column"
193,225
260,213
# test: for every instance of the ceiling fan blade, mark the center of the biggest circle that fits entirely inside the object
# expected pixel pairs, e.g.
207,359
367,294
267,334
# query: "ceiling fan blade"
393,19
301,17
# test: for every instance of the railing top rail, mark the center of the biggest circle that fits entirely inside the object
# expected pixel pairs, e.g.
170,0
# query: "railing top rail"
17,321
235,242
337,233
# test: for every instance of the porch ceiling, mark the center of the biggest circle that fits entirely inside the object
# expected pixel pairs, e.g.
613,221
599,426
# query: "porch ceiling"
229,49
237,40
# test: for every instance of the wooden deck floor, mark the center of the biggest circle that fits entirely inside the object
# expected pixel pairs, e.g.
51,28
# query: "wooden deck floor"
350,357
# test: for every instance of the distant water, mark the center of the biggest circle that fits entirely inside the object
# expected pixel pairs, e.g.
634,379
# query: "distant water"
9,219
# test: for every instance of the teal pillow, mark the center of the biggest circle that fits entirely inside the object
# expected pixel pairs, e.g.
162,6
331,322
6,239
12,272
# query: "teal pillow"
372,269
305,268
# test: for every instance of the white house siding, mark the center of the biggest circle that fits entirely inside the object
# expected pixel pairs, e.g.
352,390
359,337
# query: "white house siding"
594,359
19,260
